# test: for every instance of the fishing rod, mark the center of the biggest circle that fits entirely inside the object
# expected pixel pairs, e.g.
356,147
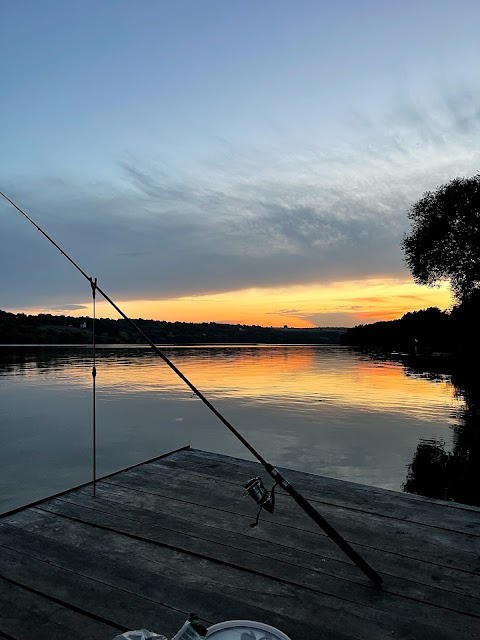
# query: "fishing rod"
255,488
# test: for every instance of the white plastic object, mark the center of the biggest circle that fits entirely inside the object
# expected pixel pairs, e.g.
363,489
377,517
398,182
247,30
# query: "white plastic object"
187,632
139,634
244,630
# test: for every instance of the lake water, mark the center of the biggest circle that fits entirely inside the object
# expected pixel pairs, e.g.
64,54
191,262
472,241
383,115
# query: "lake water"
322,409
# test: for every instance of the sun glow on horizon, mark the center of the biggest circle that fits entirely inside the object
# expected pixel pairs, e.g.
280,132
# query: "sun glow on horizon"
345,303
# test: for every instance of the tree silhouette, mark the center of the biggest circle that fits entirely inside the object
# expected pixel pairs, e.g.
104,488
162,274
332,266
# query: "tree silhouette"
444,243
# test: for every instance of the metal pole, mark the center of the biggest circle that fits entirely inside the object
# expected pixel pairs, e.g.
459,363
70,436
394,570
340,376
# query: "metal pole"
94,376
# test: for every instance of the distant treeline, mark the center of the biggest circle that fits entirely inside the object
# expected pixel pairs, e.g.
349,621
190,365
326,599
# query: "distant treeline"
424,332
45,328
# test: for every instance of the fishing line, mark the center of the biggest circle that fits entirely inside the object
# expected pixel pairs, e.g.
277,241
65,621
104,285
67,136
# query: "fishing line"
273,472
94,395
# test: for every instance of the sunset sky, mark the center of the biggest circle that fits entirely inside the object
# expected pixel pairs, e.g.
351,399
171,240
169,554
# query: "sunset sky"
234,161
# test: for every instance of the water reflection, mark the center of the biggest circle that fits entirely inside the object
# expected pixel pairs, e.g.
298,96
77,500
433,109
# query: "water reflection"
452,475
324,410
279,374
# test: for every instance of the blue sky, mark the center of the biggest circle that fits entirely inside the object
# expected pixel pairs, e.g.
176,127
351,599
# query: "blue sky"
196,148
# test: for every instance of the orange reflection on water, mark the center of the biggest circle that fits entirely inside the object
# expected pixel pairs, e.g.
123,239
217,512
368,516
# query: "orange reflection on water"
283,374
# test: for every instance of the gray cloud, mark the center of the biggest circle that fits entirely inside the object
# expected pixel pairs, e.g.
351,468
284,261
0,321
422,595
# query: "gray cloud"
284,312
68,307
267,218
339,319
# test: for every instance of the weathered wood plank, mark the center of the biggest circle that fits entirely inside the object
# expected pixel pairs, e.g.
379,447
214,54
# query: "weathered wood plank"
232,530
457,550
25,615
449,515
408,507
140,568
85,552
383,602
173,536
294,560
270,590
113,606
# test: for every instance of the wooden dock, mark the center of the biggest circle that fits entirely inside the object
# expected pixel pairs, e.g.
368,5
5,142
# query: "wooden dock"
173,536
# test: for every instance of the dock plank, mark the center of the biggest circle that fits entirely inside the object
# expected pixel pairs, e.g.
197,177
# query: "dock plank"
25,615
173,536
400,572
217,585
408,507
113,606
455,549
291,568
138,569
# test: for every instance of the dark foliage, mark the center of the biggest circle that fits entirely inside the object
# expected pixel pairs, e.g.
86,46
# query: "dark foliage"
444,243
48,329
425,332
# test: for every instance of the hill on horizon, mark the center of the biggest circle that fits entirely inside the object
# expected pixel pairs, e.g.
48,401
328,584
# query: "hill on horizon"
58,329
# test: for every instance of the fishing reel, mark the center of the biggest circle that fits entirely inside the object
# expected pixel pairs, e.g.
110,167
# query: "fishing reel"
264,498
